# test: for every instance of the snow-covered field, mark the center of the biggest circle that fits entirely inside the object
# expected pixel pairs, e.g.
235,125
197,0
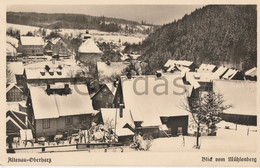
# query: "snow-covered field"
227,140
96,35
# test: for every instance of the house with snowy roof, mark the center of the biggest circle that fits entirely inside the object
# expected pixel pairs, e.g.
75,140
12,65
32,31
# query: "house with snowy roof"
179,65
121,123
30,45
155,103
241,95
233,74
57,47
55,109
251,74
50,72
89,53
197,82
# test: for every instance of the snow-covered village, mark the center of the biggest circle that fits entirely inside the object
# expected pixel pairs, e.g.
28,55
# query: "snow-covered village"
114,85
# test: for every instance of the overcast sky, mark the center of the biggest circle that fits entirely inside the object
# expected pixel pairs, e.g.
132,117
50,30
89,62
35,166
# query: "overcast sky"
155,14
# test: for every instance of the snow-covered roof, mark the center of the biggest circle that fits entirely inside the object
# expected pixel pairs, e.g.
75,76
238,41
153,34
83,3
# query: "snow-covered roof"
191,79
10,50
38,71
16,68
30,40
10,86
113,115
240,94
13,41
13,115
230,73
251,72
153,105
77,102
115,68
206,68
210,67
171,62
16,123
220,71
181,65
111,87
199,77
89,46
55,40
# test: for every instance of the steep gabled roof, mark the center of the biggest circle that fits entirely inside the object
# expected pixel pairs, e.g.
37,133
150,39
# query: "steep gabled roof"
89,46
251,72
230,73
149,107
109,86
112,115
220,72
10,86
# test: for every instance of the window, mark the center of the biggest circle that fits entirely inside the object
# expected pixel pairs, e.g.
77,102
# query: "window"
46,124
68,120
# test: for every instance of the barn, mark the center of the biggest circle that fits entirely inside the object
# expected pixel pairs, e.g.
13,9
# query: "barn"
241,95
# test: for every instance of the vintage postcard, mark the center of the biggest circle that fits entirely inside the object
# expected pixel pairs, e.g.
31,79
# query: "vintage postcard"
129,83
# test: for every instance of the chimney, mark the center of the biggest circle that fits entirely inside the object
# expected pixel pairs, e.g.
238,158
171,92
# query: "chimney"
121,106
59,72
129,75
47,68
60,67
51,72
48,90
67,88
158,74
108,62
42,72
114,83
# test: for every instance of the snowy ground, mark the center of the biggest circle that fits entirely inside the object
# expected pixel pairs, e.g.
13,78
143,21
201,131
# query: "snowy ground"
227,140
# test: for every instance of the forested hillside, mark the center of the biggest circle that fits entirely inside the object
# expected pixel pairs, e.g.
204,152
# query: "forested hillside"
77,21
218,34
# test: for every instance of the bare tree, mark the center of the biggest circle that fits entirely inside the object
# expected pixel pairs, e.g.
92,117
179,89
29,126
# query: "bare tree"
205,109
